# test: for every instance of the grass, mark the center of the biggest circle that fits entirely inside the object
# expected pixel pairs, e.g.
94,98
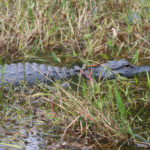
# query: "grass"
64,33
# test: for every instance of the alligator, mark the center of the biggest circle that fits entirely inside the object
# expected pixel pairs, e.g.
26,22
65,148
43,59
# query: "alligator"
33,73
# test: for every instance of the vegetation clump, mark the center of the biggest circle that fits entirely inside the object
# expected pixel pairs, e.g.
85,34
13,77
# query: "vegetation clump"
102,114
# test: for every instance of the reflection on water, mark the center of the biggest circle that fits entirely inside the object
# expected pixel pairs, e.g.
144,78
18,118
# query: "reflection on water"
32,141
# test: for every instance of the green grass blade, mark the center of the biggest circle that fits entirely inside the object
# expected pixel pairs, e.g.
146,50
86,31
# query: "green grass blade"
55,58
148,80
11,145
119,101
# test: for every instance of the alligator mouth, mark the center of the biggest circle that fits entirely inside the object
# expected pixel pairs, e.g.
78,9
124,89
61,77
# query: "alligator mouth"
134,71
142,69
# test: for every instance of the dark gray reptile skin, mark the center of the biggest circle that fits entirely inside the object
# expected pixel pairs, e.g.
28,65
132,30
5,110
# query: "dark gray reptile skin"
32,72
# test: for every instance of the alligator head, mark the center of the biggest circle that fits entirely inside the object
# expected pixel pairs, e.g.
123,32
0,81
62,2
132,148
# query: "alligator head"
112,69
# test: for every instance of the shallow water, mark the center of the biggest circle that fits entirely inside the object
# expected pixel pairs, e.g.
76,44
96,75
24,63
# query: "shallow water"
32,141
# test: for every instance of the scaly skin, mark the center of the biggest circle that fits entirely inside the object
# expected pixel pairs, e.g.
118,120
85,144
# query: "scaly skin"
32,72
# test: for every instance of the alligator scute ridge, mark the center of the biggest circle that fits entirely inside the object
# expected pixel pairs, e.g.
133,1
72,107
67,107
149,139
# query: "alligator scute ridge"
31,72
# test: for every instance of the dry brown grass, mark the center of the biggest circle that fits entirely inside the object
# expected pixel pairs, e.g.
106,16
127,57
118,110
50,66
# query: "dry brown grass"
89,31
31,28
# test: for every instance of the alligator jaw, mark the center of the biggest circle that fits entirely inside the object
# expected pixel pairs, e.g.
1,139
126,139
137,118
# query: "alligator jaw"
133,71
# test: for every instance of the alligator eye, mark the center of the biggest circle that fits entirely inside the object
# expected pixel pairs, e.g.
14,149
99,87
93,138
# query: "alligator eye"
126,65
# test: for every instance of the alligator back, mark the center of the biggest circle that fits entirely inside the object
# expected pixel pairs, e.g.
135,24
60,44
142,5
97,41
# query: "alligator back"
32,72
